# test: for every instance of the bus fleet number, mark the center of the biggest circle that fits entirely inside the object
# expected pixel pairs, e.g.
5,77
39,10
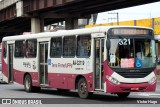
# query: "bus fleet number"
124,41
78,62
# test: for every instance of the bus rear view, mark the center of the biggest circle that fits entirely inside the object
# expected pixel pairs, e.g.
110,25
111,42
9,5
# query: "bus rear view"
131,61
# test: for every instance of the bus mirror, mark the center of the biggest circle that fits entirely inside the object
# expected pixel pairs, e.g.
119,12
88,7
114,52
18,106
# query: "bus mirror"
108,44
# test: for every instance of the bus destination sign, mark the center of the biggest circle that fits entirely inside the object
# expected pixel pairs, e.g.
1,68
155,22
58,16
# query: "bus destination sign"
128,31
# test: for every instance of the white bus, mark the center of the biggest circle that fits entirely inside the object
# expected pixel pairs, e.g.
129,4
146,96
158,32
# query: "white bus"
1,78
113,59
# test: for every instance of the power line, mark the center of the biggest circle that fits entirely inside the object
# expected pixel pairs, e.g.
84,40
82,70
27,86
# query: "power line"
116,18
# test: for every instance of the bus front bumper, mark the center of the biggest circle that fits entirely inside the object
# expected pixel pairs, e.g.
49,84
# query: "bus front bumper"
124,87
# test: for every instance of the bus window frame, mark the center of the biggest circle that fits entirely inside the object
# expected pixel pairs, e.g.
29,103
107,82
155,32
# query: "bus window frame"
15,48
5,50
26,47
77,45
74,47
61,47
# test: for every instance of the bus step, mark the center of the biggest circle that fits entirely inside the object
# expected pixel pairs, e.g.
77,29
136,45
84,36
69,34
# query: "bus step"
11,82
44,85
99,90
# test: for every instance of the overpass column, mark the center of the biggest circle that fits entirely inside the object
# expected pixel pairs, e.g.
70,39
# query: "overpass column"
71,23
37,25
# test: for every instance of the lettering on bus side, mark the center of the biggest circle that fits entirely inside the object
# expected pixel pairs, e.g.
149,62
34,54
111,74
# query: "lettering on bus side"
79,68
27,64
60,65
78,62
34,65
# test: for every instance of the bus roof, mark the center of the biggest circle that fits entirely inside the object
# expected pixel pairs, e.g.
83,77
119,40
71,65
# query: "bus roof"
65,32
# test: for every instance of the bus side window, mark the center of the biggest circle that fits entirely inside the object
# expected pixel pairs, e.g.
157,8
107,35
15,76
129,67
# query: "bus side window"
31,48
5,50
69,46
56,47
83,46
20,48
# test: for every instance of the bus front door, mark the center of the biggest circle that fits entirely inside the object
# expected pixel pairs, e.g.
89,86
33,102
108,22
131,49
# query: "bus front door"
10,63
98,63
43,57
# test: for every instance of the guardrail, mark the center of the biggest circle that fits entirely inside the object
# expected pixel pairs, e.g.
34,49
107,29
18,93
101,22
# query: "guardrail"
6,3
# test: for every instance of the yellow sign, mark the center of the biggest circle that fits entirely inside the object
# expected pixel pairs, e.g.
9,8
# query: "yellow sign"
90,26
156,26
127,23
106,24
144,23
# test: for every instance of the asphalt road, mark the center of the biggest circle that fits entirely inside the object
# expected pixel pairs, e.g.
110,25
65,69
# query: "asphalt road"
52,96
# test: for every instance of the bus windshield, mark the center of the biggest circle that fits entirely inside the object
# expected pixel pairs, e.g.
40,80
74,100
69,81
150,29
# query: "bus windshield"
132,53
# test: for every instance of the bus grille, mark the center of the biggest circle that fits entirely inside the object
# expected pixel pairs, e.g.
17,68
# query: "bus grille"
134,74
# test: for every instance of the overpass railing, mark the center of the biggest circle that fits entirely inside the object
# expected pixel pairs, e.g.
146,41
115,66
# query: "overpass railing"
6,3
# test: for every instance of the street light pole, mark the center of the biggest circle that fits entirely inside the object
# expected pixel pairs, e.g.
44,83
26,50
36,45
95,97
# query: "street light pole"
117,17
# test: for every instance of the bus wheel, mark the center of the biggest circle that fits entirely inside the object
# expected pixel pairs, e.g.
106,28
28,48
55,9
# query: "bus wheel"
123,95
28,83
83,89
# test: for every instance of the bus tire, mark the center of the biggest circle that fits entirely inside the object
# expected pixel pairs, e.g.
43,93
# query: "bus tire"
28,83
83,89
123,95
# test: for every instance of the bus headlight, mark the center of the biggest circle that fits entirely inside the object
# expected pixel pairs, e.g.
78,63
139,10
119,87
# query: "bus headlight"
113,80
152,80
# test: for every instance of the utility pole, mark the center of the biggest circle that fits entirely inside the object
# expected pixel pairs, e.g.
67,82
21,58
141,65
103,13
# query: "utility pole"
117,17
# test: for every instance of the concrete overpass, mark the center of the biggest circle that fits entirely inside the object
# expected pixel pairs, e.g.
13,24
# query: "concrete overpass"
17,16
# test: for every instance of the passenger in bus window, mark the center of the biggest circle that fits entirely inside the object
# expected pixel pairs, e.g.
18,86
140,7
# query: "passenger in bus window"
29,50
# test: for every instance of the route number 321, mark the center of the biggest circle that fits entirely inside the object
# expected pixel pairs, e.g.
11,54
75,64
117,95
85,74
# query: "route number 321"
124,41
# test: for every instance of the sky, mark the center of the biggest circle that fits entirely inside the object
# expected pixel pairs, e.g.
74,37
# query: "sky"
132,13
